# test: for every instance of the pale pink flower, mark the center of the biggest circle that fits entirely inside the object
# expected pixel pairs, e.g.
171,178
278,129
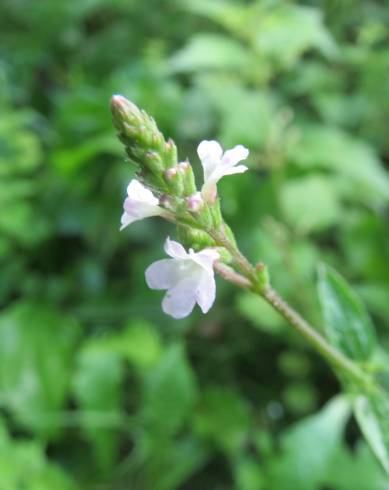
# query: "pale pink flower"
188,278
140,203
216,164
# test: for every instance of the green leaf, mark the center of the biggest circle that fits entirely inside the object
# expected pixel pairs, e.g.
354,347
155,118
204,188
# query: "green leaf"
372,414
356,468
37,345
211,51
232,17
139,343
167,463
169,392
304,461
249,475
224,418
285,33
20,149
16,219
69,161
246,116
347,323
352,160
311,203
97,386
24,465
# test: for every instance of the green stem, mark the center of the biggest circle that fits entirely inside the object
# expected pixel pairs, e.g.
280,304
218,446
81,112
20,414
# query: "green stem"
242,263
319,343
249,281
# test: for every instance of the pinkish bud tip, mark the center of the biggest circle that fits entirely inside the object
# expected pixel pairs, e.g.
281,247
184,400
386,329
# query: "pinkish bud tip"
124,108
117,101
171,173
195,202
166,202
183,166
169,144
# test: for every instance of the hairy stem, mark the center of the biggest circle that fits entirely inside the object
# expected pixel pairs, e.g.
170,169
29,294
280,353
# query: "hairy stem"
319,343
243,264
230,275
249,281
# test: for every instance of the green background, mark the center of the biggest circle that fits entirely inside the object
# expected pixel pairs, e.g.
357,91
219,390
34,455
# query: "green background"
98,389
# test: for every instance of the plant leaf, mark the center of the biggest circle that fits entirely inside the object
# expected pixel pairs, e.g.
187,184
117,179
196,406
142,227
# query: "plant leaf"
97,388
169,392
347,323
211,51
372,414
324,208
37,345
304,463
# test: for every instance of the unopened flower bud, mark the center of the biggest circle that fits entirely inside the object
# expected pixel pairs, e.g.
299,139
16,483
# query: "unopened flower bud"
188,177
196,239
195,202
166,202
174,181
171,173
170,153
145,144
154,161
196,205
216,213
124,111
184,166
262,273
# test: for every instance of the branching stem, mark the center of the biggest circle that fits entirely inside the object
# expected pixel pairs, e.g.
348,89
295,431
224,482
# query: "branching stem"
249,281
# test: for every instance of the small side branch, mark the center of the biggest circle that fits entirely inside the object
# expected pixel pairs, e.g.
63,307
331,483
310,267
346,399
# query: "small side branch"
230,275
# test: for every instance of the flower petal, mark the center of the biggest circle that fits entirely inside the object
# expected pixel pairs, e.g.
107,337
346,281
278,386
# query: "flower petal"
140,203
239,169
210,153
205,258
180,300
164,274
136,210
234,156
126,220
206,292
175,249
219,172
209,150
188,277
138,192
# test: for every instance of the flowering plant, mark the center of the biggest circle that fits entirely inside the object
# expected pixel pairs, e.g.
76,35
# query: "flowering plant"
166,187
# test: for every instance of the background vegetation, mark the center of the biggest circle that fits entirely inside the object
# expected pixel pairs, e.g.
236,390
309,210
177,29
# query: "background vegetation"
100,390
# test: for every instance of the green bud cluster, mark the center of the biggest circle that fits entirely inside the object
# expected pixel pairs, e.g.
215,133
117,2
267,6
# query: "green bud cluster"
159,169
144,143
146,146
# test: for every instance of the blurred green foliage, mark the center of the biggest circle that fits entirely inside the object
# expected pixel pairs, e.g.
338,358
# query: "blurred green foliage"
99,390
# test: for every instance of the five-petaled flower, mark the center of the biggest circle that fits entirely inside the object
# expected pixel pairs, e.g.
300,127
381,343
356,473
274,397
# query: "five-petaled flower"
216,164
140,203
188,278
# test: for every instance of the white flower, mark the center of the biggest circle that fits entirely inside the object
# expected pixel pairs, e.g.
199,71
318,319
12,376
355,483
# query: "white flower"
140,203
216,164
188,278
